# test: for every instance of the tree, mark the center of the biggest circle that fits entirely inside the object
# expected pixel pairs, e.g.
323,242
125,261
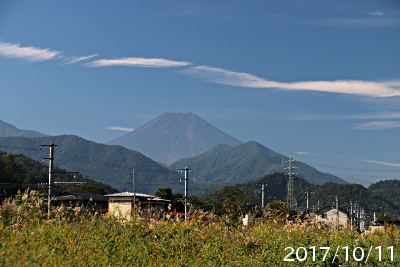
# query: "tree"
383,216
165,193
232,201
176,199
283,210
10,170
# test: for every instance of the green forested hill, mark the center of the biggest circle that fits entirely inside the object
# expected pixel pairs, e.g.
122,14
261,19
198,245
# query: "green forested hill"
325,194
388,189
103,163
18,172
232,165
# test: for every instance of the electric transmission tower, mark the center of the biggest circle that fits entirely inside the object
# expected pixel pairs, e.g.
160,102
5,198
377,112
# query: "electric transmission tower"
291,199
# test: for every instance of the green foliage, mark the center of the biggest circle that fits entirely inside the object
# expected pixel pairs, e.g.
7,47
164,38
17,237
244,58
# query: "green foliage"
165,193
176,199
21,172
383,216
388,189
233,202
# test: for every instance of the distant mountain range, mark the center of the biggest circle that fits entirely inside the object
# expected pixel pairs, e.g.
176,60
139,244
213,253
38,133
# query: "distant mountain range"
108,164
225,165
173,136
221,159
7,129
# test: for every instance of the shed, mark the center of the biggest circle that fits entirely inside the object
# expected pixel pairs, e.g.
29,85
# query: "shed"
121,204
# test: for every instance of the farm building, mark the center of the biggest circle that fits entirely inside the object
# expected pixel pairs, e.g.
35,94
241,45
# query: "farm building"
84,200
121,204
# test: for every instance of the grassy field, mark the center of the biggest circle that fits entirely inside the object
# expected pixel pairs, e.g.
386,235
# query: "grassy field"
72,238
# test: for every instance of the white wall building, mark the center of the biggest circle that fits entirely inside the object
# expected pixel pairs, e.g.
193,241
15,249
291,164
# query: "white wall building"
329,216
121,204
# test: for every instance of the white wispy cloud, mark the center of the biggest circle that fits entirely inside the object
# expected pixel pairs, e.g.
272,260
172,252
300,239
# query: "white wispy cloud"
120,128
138,62
381,163
353,87
374,19
378,125
372,116
30,53
77,59
376,13
301,153
365,22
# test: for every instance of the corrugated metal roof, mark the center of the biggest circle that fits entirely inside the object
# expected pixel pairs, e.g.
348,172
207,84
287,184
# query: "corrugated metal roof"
138,195
129,194
76,195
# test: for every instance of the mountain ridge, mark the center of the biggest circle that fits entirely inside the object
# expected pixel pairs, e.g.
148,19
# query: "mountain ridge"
7,129
234,165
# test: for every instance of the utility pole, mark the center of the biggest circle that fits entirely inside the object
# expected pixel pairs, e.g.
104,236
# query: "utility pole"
186,188
351,216
51,159
50,184
263,184
356,214
134,191
308,194
291,190
337,211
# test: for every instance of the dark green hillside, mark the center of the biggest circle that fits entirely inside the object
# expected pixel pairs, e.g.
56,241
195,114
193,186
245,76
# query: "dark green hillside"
355,192
388,189
18,172
325,194
233,165
103,163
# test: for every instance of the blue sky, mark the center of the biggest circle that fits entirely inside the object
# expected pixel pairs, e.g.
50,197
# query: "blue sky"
319,79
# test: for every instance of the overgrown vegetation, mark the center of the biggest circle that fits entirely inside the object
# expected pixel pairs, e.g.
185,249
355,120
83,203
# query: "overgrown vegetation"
73,238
